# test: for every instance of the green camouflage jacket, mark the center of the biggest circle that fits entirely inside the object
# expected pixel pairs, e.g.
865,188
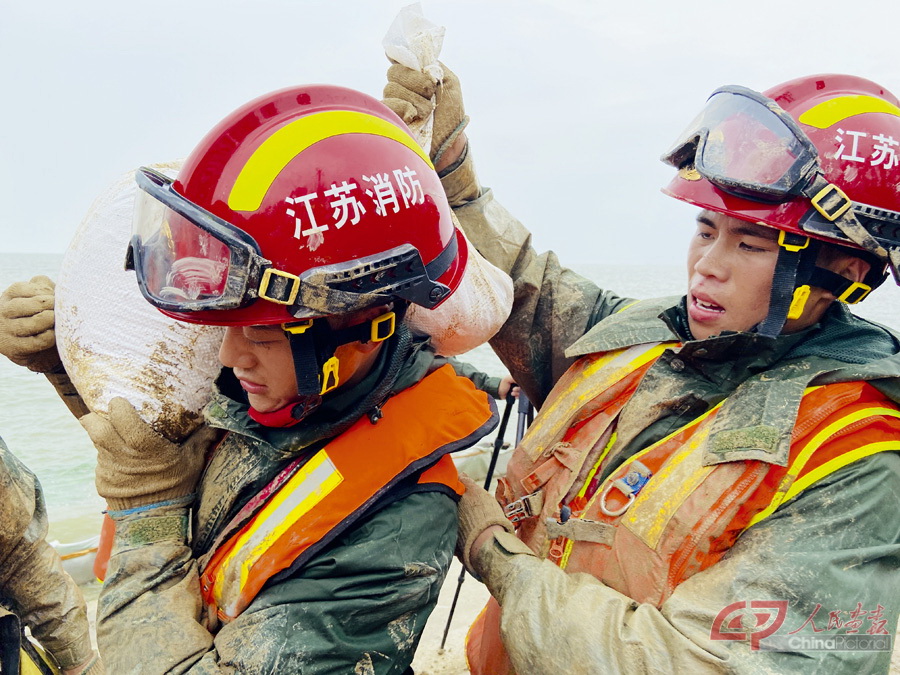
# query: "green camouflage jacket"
358,606
833,551
33,583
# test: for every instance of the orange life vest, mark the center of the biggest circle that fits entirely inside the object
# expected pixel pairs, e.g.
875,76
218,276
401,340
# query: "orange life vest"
317,499
668,511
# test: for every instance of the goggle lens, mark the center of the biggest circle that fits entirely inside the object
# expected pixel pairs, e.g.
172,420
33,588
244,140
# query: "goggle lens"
179,263
744,146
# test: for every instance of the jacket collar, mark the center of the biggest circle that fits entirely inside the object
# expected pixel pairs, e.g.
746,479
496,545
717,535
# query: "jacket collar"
762,379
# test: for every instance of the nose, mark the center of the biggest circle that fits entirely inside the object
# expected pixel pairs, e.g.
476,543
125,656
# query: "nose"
234,351
712,261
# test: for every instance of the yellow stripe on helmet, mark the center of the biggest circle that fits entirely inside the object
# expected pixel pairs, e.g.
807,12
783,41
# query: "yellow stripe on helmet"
281,147
835,110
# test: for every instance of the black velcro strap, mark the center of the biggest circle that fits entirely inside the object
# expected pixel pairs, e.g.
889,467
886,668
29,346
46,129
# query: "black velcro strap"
783,284
306,363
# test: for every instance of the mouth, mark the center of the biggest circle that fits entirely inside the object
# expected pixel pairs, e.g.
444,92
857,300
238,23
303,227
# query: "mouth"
704,308
252,387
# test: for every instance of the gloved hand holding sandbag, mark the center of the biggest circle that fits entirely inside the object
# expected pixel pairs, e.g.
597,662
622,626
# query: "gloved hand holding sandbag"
136,466
409,94
27,336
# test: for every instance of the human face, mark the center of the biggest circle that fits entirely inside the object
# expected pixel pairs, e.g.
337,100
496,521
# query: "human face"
730,268
262,362
264,365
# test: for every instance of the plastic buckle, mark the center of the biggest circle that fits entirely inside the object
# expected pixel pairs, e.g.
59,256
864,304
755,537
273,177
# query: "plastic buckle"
857,292
523,508
831,212
798,303
297,327
279,281
383,327
791,242
330,375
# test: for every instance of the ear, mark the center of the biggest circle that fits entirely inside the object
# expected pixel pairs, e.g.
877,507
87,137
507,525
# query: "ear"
853,268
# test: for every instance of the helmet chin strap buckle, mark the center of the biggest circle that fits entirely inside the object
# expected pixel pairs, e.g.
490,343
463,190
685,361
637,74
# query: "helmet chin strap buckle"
330,379
798,303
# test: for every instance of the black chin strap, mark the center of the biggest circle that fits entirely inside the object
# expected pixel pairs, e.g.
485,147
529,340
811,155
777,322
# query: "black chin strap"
313,345
796,260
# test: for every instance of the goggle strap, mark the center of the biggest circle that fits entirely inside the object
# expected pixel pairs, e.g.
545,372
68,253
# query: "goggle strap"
842,216
850,292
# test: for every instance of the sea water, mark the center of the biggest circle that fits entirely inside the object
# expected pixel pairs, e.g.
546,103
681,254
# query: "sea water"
38,428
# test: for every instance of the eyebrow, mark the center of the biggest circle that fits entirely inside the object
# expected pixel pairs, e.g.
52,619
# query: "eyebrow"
747,229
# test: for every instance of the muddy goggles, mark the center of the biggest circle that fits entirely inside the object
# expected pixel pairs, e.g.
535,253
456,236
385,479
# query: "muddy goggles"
745,144
188,259
748,146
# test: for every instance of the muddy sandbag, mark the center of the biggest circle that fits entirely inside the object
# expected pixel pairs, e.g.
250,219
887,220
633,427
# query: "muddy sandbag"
112,341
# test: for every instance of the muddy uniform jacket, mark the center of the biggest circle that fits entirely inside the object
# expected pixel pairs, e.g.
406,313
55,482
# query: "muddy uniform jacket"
32,581
358,605
832,552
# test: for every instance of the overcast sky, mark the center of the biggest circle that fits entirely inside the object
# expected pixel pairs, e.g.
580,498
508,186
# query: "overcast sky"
572,101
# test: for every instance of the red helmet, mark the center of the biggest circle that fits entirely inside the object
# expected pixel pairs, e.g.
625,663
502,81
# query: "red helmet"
309,201
816,156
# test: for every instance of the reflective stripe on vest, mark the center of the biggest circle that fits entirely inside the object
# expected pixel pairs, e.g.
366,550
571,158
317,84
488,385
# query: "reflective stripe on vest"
687,515
420,425
677,529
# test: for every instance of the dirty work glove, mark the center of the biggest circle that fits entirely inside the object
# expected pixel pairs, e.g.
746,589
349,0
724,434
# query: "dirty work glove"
477,511
408,93
137,466
27,337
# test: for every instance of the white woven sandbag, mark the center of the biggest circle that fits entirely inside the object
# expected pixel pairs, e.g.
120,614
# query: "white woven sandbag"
112,341
471,316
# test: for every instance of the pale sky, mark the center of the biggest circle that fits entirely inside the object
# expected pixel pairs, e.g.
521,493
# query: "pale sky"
572,101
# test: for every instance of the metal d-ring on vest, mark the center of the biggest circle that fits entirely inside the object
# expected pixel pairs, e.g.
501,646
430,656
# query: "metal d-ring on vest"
629,485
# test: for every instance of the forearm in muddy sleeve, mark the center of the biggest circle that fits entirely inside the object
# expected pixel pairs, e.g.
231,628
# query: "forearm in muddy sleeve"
49,602
553,306
848,557
31,573
150,612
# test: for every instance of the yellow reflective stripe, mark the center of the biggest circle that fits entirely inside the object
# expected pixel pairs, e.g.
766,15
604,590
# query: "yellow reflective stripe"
839,462
587,482
621,363
650,448
835,110
811,446
830,467
277,151
310,485
564,561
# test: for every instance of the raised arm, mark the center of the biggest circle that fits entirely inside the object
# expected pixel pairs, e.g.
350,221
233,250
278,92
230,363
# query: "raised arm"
553,306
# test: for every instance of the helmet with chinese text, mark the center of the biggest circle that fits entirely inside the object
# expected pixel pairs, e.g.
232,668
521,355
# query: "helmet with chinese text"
854,126
309,201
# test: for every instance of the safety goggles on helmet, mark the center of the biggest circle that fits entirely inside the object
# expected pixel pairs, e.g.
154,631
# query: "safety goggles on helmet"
188,259
745,144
